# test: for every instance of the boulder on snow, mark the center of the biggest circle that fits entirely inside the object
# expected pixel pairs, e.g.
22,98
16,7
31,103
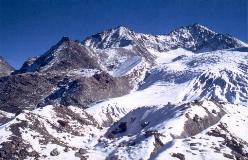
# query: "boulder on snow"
81,154
179,156
54,152
66,149
62,123
82,151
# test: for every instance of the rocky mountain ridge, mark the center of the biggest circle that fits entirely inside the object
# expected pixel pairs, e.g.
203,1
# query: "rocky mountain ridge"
196,38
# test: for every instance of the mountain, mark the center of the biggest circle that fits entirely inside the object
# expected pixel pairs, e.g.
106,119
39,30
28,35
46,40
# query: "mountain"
68,74
5,68
196,38
65,55
112,38
119,94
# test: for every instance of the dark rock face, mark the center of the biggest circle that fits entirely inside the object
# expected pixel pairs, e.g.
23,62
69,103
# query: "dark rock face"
15,148
22,91
57,77
64,56
5,68
29,91
84,91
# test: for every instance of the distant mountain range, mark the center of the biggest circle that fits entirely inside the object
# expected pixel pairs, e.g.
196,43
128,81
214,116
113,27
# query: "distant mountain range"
119,94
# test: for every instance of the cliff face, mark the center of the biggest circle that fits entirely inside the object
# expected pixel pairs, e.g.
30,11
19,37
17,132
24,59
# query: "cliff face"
68,74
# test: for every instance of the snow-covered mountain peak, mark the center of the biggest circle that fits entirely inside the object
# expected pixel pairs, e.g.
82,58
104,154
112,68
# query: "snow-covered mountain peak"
199,38
199,27
195,37
112,38
66,55
122,30
194,30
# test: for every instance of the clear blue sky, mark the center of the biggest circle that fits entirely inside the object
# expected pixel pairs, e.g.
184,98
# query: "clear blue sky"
29,27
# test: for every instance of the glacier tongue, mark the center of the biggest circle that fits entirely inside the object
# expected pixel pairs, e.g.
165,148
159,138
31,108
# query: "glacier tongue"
219,75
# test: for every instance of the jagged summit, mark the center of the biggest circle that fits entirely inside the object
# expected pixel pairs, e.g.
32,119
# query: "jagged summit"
119,36
196,31
199,27
66,55
121,29
195,37
199,38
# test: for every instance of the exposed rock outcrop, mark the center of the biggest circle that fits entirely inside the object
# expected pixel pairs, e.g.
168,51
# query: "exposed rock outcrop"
5,68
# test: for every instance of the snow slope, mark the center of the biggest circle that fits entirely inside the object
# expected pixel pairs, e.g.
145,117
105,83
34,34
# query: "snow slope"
168,117
148,132
214,75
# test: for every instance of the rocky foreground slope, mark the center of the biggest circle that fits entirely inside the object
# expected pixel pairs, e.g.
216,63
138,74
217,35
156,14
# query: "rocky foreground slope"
196,130
126,95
